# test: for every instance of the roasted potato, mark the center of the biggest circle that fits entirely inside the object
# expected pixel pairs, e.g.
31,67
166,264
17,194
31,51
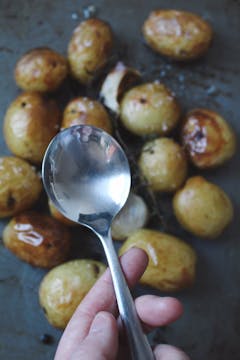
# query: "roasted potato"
149,109
59,216
85,111
180,35
134,215
89,49
172,262
41,69
31,121
37,239
164,165
20,186
202,208
208,138
64,287
120,79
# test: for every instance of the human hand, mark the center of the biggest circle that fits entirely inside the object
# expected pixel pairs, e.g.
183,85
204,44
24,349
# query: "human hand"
93,331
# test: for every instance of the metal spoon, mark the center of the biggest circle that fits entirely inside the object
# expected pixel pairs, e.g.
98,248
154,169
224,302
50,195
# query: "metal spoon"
86,175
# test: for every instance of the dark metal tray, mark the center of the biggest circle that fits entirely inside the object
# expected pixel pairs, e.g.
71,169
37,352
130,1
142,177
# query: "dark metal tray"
210,327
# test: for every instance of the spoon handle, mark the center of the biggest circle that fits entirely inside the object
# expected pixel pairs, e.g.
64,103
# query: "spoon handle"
138,343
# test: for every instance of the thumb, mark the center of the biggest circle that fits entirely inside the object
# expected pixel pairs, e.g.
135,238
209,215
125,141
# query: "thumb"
101,342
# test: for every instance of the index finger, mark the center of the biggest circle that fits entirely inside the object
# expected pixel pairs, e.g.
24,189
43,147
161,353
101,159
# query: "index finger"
100,298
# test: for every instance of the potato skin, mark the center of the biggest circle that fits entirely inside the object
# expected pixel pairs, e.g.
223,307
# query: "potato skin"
37,239
30,123
89,49
208,138
20,186
64,287
85,111
41,69
172,262
202,208
164,164
149,109
180,35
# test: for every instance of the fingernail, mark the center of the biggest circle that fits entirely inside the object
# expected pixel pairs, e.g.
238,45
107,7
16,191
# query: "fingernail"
99,322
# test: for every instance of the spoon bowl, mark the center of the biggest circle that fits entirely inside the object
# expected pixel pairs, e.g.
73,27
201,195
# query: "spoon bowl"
87,177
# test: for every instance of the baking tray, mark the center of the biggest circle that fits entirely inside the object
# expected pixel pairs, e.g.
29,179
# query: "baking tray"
210,326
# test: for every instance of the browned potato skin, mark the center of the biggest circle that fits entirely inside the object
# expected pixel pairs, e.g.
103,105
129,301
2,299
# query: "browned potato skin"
20,186
172,262
85,111
41,69
64,287
37,239
30,123
58,216
163,163
180,35
89,49
202,208
208,138
149,109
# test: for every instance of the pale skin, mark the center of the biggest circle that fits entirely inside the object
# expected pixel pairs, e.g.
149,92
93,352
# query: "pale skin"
94,332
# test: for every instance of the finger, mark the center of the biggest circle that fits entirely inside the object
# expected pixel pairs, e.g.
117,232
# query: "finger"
101,298
157,311
102,340
167,352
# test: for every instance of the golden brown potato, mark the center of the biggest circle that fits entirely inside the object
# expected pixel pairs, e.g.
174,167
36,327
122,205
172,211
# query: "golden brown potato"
172,262
208,139
163,164
30,123
89,49
149,109
85,111
64,287
202,208
41,69
37,239
20,186
179,35
60,217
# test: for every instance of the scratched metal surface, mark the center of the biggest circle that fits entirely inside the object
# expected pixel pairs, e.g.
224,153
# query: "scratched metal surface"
210,327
